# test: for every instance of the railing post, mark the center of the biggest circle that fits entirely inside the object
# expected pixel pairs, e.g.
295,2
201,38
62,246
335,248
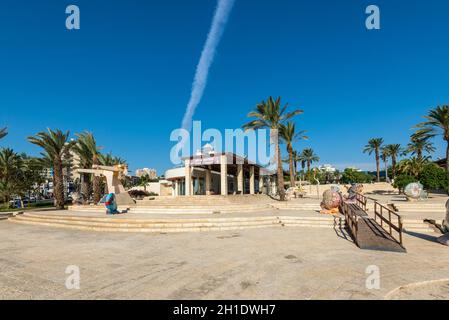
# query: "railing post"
375,211
381,217
389,221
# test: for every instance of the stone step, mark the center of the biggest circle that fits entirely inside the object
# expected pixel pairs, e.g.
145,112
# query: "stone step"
139,220
154,230
298,208
178,209
170,225
417,225
149,224
131,220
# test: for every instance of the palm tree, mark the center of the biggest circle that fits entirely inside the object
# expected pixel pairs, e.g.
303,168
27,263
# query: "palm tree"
89,153
374,146
384,156
393,151
3,132
437,123
55,145
143,181
270,114
308,157
110,160
418,145
413,166
289,136
295,161
11,174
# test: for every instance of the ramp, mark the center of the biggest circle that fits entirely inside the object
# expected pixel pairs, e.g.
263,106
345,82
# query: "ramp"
367,233
371,236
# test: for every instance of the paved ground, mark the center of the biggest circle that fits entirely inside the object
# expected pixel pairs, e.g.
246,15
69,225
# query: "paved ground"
271,263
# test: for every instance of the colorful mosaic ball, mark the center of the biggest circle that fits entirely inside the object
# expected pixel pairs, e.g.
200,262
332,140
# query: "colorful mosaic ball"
414,190
331,200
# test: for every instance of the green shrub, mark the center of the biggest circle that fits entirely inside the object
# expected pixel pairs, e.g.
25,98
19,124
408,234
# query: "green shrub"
354,176
433,177
402,181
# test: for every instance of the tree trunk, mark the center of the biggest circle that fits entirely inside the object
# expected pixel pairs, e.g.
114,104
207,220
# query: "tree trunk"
85,187
296,167
393,164
419,154
447,160
58,184
308,166
447,155
377,166
280,172
292,172
96,183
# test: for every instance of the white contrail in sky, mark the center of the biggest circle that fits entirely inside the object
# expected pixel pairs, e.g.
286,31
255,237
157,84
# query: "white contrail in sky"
207,56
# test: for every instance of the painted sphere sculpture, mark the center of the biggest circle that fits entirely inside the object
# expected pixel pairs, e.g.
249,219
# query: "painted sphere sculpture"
331,200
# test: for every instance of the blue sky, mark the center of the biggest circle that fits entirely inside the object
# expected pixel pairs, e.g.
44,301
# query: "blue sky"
126,75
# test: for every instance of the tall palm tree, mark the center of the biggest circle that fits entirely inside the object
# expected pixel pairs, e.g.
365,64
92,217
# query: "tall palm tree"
437,123
308,157
55,146
374,145
108,159
144,180
3,132
295,161
419,145
289,135
413,166
393,151
89,153
11,173
384,156
270,114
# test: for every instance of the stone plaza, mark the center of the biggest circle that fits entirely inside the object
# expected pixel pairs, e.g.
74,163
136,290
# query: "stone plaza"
265,263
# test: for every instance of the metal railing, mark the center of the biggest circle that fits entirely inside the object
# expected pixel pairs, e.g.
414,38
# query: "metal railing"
385,216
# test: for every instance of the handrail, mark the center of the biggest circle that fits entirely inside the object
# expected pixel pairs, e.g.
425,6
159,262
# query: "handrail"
361,201
379,213
351,221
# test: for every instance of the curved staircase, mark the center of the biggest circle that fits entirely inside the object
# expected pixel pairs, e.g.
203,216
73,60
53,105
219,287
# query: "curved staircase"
207,205
165,225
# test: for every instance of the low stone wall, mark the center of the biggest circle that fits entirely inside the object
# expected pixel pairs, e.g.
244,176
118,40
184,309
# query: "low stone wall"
367,188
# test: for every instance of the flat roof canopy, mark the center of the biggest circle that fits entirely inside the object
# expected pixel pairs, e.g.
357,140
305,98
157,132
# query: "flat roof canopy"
213,162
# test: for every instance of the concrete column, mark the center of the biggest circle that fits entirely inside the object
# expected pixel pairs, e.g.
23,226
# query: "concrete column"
188,181
260,183
251,180
176,188
240,178
208,180
224,175
235,185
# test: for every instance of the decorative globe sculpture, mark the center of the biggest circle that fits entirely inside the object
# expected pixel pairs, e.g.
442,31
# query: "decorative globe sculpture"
414,190
335,188
331,201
